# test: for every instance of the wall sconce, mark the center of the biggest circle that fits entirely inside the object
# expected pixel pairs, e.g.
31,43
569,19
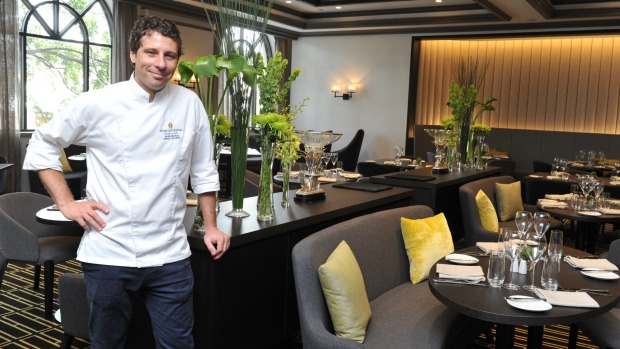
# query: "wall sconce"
191,84
344,96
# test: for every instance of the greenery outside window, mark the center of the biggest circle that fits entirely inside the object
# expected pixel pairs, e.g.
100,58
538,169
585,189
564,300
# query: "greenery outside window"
65,50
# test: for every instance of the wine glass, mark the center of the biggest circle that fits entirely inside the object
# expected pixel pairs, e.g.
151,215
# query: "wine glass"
325,157
512,246
556,244
534,248
542,221
334,159
598,189
564,165
523,220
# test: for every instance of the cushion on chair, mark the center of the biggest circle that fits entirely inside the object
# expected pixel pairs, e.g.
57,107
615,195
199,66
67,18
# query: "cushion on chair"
488,215
426,241
345,293
508,200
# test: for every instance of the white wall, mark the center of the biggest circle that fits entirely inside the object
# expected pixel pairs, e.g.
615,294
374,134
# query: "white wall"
378,65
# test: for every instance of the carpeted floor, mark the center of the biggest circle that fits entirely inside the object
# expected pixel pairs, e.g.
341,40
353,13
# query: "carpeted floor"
22,324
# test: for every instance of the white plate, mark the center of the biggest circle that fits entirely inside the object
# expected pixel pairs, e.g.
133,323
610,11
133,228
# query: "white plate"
539,305
589,213
461,258
601,275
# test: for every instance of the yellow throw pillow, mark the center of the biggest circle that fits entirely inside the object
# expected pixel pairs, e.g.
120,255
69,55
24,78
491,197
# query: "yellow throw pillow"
426,241
488,216
66,168
345,293
508,200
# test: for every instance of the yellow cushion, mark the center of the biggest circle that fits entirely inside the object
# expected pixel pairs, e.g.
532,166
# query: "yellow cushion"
345,293
508,200
426,241
488,216
66,168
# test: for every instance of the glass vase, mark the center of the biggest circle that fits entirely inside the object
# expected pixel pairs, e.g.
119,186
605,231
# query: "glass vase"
480,161
286,176
265,186
464,143
238,163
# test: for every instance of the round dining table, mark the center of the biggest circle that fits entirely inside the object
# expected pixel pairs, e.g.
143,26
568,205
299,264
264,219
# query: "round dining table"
588,225
487,303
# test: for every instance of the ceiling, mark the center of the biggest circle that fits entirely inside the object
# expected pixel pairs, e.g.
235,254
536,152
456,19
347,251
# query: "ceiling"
424,17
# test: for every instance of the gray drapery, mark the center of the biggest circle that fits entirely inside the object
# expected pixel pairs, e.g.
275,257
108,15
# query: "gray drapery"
124,16
9,117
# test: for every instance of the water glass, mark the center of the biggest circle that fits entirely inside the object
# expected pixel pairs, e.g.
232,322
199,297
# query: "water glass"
549,275
497,268
556,244
605,204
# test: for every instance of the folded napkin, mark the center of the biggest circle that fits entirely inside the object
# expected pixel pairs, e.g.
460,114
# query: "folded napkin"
535,176
252,151
351,175
405,160
553,177
325,179
614,202
369,161
191,202
610,210
487,247
600,263
614,182
558,196
544,203
389,162
567,299
292,174
460,272
576,164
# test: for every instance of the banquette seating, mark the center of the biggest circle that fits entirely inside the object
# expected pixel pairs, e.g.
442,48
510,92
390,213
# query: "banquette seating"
404,315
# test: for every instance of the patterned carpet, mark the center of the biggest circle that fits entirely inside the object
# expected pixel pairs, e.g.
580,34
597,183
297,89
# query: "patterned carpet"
22,324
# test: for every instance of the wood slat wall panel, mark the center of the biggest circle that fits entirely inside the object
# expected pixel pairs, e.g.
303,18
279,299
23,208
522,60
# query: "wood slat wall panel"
563,84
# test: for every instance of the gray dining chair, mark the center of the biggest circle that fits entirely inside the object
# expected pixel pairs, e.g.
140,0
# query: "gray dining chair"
74,308
23,239
603,330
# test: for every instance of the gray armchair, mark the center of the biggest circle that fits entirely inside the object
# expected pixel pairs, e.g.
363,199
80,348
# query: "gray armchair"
474,231
404,315
602,330
23,239
74,309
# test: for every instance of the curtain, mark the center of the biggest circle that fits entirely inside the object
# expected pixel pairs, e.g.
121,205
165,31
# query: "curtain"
9,118
124,16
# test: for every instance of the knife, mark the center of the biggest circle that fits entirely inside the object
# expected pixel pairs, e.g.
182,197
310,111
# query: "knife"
458,282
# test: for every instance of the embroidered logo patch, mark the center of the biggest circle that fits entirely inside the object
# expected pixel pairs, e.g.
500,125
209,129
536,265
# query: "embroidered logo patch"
171,133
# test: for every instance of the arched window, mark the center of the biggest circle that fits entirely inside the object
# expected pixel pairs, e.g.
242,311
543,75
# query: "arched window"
65,50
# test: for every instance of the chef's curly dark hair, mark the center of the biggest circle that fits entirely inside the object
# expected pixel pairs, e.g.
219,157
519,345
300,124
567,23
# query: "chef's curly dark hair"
145,25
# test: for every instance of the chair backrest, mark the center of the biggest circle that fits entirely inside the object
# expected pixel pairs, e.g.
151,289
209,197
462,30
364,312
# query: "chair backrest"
613,255
535,189
377,243
252,182
73,305
541,166
3,175
472,224
507,166
349,155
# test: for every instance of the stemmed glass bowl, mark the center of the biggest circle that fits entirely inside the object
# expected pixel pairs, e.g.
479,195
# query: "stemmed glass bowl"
534,247
523,220
542,221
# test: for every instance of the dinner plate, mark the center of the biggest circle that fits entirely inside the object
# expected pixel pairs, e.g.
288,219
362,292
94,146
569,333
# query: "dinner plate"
601,275
589,213
537,305
461,259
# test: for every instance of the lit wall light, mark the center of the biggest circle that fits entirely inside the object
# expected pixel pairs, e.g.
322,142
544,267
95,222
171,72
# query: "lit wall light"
191,84
344,96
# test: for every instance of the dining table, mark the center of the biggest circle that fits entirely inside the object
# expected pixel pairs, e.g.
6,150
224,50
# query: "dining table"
600,170
489,304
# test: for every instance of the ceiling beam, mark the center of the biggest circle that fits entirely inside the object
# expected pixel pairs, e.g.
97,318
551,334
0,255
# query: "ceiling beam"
543,7
494,10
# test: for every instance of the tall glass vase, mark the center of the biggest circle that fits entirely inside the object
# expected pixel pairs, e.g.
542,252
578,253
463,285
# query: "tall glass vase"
238,158
265,186
464,143
480,161
286,176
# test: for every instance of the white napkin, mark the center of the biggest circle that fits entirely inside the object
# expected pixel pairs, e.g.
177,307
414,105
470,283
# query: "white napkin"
567,299
291,174
461,258
389,162
544,203
252,151
614,202
599,263
487,247
553,177
614,182
576,164
536,176
350,175
610,210
405,160
460,272
325,179
369,161
558,196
